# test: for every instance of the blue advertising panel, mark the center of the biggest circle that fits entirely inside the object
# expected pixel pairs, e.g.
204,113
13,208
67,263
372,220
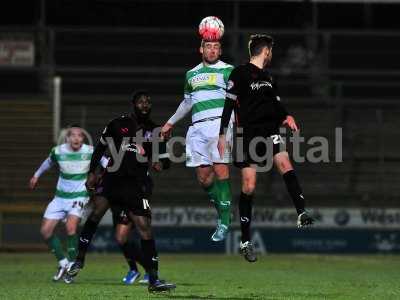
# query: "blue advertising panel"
273,240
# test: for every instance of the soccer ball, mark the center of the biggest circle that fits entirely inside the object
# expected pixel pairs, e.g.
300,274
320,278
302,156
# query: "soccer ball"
211,29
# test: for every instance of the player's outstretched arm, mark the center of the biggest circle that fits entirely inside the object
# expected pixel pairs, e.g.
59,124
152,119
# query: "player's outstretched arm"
183,109
46,165
33,182
166,130
97,157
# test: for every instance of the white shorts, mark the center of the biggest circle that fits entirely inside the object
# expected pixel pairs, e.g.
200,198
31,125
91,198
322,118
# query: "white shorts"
201,144
59,208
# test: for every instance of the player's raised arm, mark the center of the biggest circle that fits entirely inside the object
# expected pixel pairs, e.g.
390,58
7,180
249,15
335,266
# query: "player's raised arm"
183,109
46,165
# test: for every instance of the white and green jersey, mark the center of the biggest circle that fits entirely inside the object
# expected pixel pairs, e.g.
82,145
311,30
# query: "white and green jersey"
73,167
205,89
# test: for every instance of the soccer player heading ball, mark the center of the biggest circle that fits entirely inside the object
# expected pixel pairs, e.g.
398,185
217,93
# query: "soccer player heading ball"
204,97
253,94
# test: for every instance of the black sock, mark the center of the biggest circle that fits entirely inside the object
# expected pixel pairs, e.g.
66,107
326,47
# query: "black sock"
138,254
150,259
128,250
155,264
135,254
87,233
245,212
294,190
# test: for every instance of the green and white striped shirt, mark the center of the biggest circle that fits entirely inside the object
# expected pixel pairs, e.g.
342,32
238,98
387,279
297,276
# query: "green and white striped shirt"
73,167
205,89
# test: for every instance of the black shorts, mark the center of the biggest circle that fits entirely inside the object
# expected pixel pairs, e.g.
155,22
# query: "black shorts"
128,194
256,146
119,215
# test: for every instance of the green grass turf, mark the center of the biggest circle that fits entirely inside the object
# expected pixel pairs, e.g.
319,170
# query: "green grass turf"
28,276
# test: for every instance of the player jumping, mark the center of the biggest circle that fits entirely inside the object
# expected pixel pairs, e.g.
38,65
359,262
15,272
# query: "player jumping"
254,96
204,96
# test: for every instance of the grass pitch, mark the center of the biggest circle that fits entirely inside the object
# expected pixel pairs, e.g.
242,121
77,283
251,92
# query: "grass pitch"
28,276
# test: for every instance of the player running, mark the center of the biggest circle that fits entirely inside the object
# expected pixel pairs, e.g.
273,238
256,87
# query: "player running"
141,104
127,188
72,160
204,96
254,96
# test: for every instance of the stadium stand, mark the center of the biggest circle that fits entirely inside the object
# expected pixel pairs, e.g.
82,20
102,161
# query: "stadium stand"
26,137
332,88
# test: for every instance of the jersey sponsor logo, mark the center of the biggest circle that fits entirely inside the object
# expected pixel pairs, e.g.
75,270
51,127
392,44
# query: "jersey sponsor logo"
244,219
124,130
85,156
146,204
203,79
257,85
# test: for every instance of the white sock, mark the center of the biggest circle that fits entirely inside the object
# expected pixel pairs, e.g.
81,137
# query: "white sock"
63,263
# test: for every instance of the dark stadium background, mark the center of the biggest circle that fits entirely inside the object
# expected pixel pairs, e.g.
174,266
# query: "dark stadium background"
337,66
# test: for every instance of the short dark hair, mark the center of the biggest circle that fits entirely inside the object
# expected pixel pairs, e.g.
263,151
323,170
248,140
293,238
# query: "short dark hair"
203,41
137,94
258,42
73,125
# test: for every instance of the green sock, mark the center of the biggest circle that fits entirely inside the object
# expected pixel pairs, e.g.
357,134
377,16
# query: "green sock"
224,200
72,243
212,192
55,246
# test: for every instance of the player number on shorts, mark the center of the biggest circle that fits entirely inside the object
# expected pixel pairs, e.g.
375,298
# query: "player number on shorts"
276,139
146,204
77,204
